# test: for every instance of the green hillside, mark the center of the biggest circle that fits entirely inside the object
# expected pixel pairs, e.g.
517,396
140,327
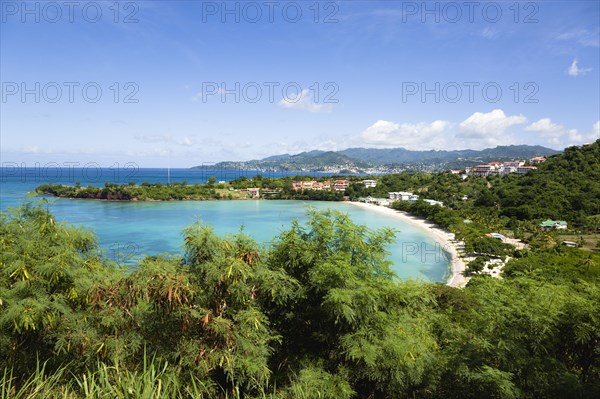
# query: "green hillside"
566,187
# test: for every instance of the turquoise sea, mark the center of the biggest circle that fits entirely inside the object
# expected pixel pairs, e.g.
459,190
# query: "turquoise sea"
129,230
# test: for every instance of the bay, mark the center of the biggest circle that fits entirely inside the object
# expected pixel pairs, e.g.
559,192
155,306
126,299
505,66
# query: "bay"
127,231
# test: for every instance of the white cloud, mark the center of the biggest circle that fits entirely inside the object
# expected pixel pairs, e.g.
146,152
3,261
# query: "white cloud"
414,136
489,33
493,122
305,102
166,139
574,70
486,129
154,152
582,37
31,150
561,136
554,133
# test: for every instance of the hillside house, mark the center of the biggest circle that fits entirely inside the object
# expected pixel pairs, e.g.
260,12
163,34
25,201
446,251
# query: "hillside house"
402,196
524,169
254,192
537,160
482,170
340,185
434,202
370,183
554,224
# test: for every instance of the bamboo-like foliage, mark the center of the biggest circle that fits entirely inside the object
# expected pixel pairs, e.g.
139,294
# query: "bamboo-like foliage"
318,314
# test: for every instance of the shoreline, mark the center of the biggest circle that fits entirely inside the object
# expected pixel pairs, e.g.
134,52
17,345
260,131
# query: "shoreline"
457,266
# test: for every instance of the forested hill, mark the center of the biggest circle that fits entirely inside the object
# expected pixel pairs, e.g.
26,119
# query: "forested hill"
566,187
401,155
388,160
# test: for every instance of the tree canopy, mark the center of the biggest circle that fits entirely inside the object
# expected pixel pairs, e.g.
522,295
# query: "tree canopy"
316,314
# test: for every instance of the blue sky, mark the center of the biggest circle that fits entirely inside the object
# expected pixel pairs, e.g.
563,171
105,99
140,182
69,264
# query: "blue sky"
200,82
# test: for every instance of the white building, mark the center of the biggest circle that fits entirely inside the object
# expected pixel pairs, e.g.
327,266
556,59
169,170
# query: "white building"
370,183
537,160
403,196
376,201
434,202
524,169
511,167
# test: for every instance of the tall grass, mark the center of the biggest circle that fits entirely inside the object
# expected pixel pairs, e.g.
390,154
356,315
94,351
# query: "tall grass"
153,381
39,385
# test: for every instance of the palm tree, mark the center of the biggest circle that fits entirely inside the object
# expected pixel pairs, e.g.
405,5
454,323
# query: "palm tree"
589,263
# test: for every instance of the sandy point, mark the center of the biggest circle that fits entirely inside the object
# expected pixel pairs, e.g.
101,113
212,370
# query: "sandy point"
444,238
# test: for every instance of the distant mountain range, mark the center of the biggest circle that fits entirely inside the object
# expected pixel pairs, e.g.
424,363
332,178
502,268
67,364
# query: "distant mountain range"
372,160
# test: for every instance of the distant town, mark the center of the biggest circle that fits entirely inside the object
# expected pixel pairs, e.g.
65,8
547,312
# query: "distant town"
340,185
501,168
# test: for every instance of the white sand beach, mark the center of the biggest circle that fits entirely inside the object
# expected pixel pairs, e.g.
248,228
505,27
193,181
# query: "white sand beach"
444,238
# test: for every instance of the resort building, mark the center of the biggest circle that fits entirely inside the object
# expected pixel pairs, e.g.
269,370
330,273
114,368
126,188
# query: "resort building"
311,185
507,170
434,202
496,168
376,201
402,196
524,169
370,183
511,167
340,185
499,168
268,191
317,185
308,185
254,192
536,160
482,170
513,164
554,224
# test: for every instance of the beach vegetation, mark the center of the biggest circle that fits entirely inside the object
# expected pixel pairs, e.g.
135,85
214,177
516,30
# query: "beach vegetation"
318,313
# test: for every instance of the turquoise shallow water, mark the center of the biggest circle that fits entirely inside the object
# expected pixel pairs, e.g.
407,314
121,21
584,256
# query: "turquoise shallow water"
129,230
